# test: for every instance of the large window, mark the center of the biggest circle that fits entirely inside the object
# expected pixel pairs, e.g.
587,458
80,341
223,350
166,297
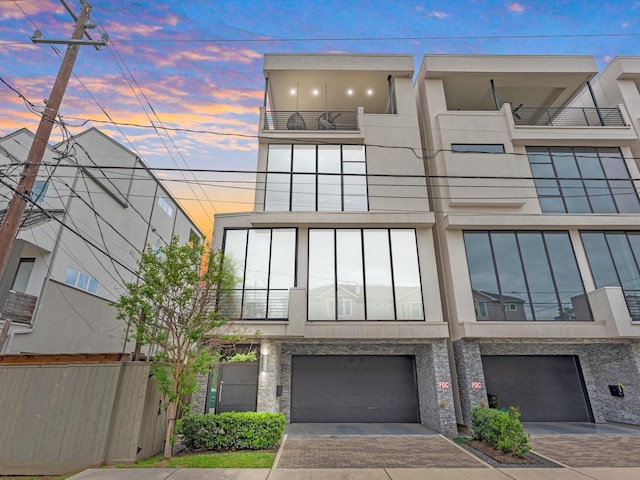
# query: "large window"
522,276
316,178
613,258
264,265
582,180
370,274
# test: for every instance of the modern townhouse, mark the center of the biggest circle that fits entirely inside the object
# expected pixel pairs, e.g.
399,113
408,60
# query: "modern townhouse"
533,173
336,261
95,207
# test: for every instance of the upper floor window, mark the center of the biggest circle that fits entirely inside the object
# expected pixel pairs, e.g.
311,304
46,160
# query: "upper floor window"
370,274
477,148
81,280
165,206
614,260
523,276
582,180
316,178
263,261
39,191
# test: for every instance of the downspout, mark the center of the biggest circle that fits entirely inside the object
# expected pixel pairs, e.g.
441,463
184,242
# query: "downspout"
595,103
495,95
47,278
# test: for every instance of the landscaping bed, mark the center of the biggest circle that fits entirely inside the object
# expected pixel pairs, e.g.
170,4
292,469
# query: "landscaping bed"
496,458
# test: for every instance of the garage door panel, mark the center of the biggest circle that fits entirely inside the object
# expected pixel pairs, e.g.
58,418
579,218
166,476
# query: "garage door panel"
363,388
545,388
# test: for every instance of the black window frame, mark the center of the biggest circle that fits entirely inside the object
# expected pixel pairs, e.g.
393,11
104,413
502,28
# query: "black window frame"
634,311
477,148
336,302
504,304
291,173
241,316
600,153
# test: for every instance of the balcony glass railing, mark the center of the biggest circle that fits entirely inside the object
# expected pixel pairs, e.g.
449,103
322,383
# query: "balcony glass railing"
568,116
311,120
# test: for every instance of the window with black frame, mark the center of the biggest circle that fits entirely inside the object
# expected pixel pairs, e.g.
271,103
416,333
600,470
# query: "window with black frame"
525,276
613,259
582,180
316,178
263,262
364,274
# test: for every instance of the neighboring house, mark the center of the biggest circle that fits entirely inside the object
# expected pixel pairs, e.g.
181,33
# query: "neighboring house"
534,194
79,243
496,236
336,261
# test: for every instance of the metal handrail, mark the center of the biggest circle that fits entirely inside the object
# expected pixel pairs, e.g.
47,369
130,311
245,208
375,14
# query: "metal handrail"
568,116
311,120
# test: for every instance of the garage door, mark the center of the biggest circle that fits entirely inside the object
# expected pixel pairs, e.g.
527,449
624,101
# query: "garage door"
353,389
546,388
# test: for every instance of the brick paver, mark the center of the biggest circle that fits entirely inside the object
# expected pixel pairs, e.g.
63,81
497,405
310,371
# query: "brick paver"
374,451
590,450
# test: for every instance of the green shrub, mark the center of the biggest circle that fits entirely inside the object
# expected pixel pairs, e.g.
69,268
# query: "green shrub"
232,431
500,429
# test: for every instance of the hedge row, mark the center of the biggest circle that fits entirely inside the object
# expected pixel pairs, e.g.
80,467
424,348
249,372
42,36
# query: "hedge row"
501,429
232,430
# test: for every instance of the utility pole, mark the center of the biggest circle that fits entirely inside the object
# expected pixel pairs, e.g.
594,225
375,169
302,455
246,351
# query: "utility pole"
17,205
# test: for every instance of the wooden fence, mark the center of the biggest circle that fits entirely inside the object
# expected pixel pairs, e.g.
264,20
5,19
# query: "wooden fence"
62,418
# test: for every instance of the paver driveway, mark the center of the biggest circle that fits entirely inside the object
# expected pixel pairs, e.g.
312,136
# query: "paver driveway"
374,451
589,450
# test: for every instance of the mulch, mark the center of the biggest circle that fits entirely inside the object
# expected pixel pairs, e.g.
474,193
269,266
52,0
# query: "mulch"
496,458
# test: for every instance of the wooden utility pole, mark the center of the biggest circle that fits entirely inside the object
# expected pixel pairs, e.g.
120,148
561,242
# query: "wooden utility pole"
17,205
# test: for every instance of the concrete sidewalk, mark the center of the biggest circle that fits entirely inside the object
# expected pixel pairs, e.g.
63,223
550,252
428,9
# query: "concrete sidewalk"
355,452
362,474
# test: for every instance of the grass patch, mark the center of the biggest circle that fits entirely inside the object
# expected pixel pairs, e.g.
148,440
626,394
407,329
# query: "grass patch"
461,440
46,477
209,460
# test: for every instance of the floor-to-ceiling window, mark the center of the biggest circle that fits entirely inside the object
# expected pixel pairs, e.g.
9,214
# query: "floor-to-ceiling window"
525,276
264,264
364,274
613,258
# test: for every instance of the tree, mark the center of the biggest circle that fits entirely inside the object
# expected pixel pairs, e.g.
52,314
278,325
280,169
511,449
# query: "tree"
171,308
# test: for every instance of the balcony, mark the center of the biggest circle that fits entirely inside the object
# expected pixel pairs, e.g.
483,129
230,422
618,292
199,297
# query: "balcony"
567,116
19,307
326,121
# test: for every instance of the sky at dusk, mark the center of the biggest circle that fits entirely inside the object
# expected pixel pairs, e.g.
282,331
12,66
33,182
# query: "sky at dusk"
197,65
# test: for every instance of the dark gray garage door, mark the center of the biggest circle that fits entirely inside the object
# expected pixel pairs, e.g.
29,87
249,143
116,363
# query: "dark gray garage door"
546,388
353,389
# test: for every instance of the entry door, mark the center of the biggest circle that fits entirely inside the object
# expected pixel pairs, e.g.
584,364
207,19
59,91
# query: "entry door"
237,387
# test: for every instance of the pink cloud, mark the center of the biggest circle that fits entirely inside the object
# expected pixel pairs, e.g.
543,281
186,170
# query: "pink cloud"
516,7
8,10
438,14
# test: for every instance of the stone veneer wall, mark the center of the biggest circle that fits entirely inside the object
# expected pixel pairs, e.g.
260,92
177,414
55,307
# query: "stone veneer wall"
268,376
432,366
603,363
469,369
199,399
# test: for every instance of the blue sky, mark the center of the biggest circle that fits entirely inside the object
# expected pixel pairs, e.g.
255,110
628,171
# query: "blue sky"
198,65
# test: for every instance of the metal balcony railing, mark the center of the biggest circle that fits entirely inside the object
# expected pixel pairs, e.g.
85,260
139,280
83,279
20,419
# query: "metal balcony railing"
317,120
568,116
